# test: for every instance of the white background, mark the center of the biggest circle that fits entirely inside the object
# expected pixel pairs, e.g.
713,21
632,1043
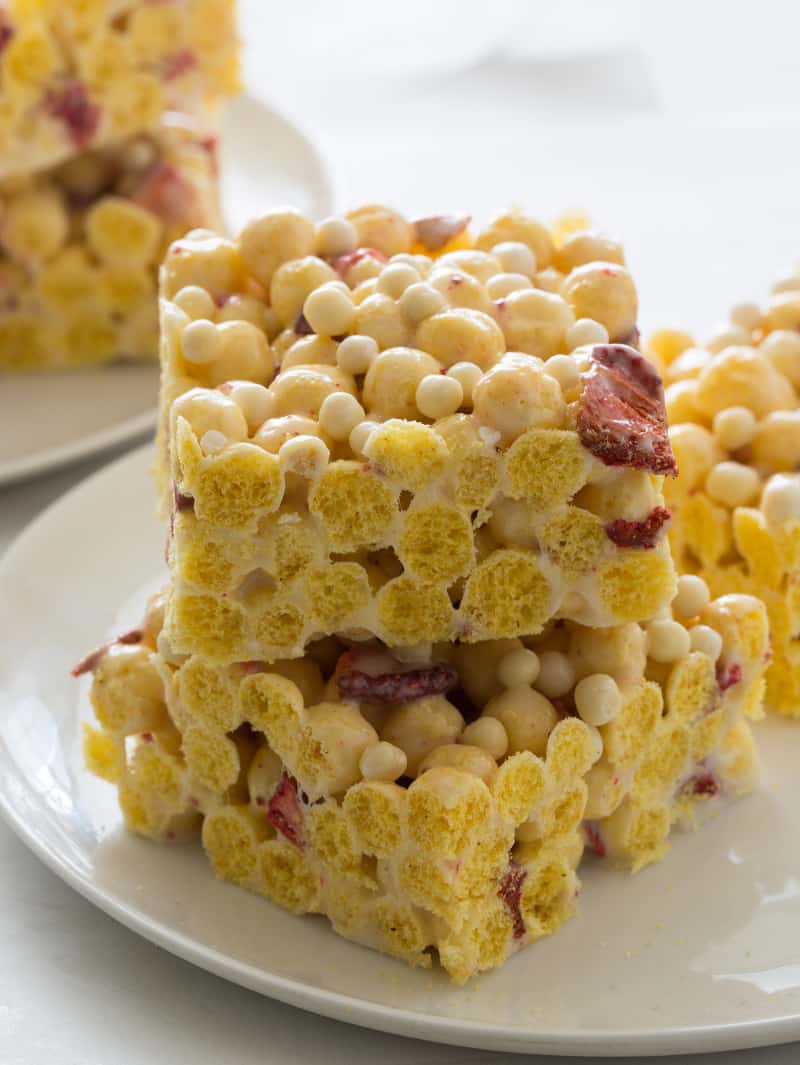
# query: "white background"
674,124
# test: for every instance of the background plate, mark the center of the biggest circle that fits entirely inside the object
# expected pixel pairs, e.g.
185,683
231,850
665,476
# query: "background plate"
51,419
698,953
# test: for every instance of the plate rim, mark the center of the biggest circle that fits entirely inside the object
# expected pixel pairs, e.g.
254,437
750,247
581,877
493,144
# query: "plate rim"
657,1041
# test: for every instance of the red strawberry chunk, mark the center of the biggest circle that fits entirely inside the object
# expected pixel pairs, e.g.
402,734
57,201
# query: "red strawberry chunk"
702,782
72,106
167,194
393,686
728,674
283,811
439,229
177,64
622,418
6,30
343,263
594,838
644,533
510,891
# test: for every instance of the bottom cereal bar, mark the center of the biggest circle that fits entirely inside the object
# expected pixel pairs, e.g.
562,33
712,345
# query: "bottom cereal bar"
436,806
80,244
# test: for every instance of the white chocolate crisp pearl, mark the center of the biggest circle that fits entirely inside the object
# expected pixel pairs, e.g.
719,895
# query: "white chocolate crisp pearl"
503,284
781,500
335,236
329,310
565,370
586,331
597,699
515,257
360,435
746,315
356,354
438,396
734,427
467,374
488,733
383,761
732,484
556,674
306,456
213,441
201,342
339,414
420,301
396,278
196,302
692,596
204,409
667,640
519,666
707,640
782,348
527,716
254,401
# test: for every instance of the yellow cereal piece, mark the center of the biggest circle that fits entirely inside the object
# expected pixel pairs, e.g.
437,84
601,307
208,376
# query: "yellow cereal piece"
274,705
409,453
124,290
402,933
635,585
355,506
337,592
200,624
691,689
571,750
741,758
211,758
333,838
477,479
757,547
625,738
103,754
506,595
665,764
436,543
231,835
198,558
25,344
637,834
410,610
279,624
568,811
285,875
237,485
575,540
127,693
518,785
446,807
665,345
295,549
705,735
89,339
742,377
546,467
121,232
704,527
208,695
547,896
135,105
29,58
376,810
483,943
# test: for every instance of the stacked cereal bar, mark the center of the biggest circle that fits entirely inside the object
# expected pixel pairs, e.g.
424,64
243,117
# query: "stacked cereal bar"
735,417
417,644
107,154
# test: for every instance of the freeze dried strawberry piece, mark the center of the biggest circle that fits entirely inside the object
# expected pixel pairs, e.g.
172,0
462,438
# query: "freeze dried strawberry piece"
182,501
343,263
376,677
594,839
510,891
6,30
177,64
728,674
72,106
645,533
439,229
702,782
302,326
93,659
167,194
283,812
622,419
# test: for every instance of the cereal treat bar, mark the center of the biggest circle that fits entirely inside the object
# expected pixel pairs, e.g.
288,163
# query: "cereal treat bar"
80,244
80,74
438,805
735,417
405,474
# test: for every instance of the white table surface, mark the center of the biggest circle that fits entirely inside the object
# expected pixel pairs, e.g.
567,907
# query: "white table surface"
623,107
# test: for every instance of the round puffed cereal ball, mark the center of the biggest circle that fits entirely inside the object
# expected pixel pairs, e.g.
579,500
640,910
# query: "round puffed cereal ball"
667,640
597,699
439,396
706,640
365,290
243,355
549,280
520,666
205,409
565,370
273,239
383,761
781,499
787,283
783,311
334,237
420,300
556,674
478,264
604,292
242,308
527,716
782,348
732,484
518,227
488,733
303,389
274,433
382,228
293,282
196,302
534,322
390,387
776,445
516,395
734,427
360,435
504,284
680,402
200,342
380,317
515,257
467,374
458,334
339,414
254,401
691,597
311,350
356,354
695,452
512,523
727,336
306,456
36,225
586,331
467,757
395,278
329,310
460,289
417,727
746,315
588,246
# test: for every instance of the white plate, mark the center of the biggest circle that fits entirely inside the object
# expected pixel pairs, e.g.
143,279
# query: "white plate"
51,419
699,953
